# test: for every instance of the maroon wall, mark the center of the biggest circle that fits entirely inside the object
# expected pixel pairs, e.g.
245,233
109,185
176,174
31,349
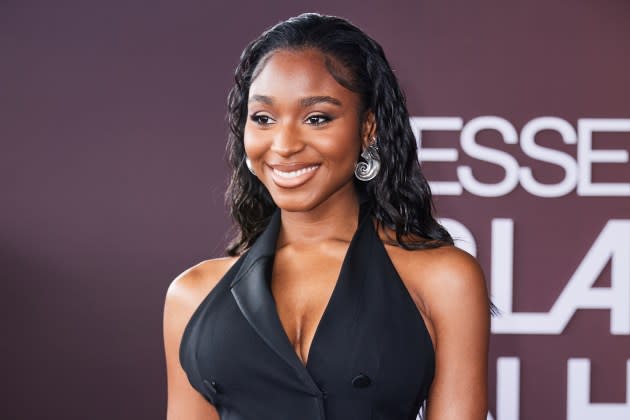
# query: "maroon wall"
113,131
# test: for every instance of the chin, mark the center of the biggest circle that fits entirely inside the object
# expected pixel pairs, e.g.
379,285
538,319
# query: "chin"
294,204
308,199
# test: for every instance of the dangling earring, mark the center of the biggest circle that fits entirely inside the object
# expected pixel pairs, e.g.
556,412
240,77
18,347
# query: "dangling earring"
365,171
249,166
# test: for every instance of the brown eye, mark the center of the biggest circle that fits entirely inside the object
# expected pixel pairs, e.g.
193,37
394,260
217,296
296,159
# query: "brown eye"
261,119
317,119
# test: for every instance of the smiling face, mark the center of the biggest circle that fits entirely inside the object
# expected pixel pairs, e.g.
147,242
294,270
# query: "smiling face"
304,130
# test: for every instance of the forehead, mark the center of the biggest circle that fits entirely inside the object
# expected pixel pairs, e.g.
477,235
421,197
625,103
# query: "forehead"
298,73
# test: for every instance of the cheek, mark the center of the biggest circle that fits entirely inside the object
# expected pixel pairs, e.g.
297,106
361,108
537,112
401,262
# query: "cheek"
345,146
254,142
342,152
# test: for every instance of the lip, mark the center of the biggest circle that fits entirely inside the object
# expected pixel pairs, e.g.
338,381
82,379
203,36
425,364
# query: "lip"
291,166
282,176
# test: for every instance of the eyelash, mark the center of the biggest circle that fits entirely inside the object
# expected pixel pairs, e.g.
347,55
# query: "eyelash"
322,119
258,119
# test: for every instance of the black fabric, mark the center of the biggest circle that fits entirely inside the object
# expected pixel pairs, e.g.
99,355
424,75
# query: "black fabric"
371,357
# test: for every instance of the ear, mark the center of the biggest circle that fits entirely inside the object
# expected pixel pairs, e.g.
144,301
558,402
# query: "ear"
368,129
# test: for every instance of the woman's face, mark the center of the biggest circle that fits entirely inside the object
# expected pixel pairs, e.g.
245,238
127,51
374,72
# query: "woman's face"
304,131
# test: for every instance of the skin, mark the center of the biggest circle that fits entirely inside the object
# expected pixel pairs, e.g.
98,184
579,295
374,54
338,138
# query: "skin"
299,116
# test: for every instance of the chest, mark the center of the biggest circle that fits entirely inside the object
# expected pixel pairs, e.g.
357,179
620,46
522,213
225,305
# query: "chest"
302,284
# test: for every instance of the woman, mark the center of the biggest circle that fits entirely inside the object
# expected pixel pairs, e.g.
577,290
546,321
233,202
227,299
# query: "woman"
342,297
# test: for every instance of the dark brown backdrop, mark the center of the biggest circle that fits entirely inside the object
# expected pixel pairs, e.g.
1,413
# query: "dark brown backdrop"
113,132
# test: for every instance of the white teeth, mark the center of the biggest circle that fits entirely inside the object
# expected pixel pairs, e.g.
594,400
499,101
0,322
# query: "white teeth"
294,174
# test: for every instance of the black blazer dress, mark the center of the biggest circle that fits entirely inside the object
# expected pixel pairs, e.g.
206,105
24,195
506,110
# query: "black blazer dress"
371,357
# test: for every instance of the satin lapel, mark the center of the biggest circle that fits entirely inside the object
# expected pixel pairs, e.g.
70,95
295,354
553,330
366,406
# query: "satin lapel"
252,293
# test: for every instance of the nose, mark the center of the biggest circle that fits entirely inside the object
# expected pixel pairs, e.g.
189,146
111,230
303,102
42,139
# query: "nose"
287,140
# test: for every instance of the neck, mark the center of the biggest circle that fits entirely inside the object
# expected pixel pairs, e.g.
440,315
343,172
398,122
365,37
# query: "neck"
335,219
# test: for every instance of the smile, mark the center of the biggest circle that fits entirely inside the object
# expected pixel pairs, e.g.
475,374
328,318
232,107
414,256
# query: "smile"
294,174
293,178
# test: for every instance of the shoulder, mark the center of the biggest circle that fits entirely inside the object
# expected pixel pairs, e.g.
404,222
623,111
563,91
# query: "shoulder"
449,287
186,292
447,281
449,278
183,296
201,275
447,266
190,287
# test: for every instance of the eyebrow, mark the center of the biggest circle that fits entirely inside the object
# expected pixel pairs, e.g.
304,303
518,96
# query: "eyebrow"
304,102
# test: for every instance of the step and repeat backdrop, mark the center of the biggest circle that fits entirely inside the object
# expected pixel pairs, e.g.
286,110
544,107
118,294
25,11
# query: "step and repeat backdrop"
113,170
522,118
558,267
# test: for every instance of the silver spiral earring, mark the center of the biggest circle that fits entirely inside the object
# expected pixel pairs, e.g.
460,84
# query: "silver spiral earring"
365,171
249,166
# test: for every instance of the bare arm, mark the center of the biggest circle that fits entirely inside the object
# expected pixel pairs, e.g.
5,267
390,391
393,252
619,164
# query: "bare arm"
457,304
182,298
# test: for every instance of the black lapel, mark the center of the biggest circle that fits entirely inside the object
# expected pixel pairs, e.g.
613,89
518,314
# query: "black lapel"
253,296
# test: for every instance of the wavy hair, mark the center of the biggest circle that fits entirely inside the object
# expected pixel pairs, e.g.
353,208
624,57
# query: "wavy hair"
399,194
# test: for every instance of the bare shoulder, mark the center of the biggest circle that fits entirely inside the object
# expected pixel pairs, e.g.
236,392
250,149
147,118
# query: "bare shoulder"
448,285
442,278
446,267
189,288
183,296
199,279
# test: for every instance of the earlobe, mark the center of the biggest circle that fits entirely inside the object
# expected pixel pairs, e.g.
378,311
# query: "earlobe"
368,129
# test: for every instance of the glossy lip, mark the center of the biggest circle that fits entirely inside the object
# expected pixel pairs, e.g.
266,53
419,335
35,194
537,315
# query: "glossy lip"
289,167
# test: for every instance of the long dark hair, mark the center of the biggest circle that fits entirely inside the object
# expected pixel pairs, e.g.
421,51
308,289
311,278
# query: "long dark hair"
399,194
